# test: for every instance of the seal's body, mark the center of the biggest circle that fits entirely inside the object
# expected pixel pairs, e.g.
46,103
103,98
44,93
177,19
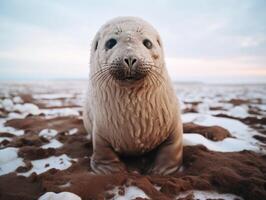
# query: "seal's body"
131,107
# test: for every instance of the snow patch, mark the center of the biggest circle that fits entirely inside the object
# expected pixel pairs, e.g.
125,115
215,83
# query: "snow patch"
242,133
17,99
262,107
204,195
235,127
239,111
54,143
59,196
60,112
9,160
61,162
27,108
5,138
9,129
68,184
53,96
131,192
48,133
72,131
227,145
14,115
7,104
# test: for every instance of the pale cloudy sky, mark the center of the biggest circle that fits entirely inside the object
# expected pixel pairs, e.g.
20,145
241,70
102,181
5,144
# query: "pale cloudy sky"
204,40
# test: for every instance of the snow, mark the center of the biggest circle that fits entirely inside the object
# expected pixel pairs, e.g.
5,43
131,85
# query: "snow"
27,108
9,129
14,115
236,111
68,184
8,154
7,104
72,131
59,196
260,106
227,145
60,112
236,128
61,162
9,160
131,192
204,195
48,133
243,135
54,143
5,138
239,111
53,96
17,99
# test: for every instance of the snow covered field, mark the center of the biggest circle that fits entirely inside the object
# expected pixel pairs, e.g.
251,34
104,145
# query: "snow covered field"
43,145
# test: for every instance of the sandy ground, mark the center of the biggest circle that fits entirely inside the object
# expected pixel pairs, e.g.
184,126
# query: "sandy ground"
44,152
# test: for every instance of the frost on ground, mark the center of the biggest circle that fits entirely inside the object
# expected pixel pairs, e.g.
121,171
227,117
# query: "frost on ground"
44,146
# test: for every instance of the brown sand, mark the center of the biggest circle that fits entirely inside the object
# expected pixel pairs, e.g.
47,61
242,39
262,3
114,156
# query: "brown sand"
215,133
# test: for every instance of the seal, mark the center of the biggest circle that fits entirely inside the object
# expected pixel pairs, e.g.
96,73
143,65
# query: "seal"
131,107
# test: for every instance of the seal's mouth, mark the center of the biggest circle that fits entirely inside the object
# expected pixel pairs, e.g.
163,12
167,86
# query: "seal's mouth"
131,76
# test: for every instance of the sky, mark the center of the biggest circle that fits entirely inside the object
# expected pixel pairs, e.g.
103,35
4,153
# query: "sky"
204,40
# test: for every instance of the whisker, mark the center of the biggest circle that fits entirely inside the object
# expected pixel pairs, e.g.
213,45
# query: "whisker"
150,77
96,74
157,78
101,77
159,74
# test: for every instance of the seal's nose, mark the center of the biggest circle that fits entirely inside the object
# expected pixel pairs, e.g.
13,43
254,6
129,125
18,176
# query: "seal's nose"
130,61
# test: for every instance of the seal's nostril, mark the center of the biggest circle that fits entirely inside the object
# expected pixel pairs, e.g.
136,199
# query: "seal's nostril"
127,61
130,61
134,60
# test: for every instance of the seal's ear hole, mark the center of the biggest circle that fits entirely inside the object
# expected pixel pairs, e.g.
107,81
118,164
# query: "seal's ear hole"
158,41
96,45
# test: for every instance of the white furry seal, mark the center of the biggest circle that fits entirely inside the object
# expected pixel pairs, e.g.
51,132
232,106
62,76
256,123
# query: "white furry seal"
131,107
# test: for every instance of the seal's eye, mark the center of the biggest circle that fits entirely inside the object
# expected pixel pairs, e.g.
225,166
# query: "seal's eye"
110,43
147,43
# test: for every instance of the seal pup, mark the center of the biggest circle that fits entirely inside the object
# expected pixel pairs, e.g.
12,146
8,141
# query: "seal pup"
131,107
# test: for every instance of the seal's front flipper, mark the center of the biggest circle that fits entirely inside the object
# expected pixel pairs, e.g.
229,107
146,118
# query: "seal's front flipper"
104,160
169,155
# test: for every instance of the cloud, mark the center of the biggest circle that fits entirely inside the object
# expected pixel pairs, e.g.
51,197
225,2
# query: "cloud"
202,39
236,69
252,41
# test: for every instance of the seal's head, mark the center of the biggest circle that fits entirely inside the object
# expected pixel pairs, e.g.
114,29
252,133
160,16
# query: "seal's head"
127,50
